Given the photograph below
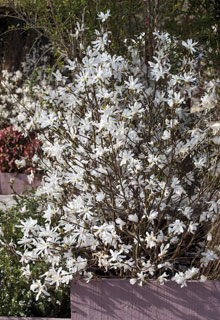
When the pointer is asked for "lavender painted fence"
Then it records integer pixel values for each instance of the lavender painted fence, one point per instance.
(20, 183)
(22, 318)
(109, 299)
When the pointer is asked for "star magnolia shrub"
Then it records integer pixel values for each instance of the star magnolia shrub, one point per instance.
(132, 182)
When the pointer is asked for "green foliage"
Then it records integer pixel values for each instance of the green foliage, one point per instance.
(198, 20)
(57, 19)
(16, 298)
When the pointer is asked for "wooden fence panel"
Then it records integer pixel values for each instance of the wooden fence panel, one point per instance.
(112, 299)
(29, 318)
(20, 183)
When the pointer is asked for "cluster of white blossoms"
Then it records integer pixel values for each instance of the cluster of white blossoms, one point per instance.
(131, 175)
(16, 98)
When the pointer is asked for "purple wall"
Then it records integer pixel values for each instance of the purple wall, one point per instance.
(109, 299)
(20, 184)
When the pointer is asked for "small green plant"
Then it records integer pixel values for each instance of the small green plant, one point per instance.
(16, 298)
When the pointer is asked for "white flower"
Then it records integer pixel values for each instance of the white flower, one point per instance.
(81, 263)
(180, 279)
(133, 218)
(20, 163)
(166, 135)
(187, 212)
(116, 256)
(30, 177)
(127, 156)
(42, 247)
(215, 126)
(189, 274)
(132, 281)
(26, 271)
(189, 44)
(72, 65)
(141, 277)
(106, 233)
(100, 196)
(175, 182)
(209, 101)
(192, 227)
(151, 240)
(175, 99)
(201, 162)
(27, 226)
(163, 250)
(148, 267)
(49, 212)
(38, 288)
(104, 16)
(120, 222)
(55, 276)
(203, 278)
(216, 140)
(158, 70)
(177, 227)
(163, 278)
(153, 215)
(133, 84)
(209, 237)
(207, 257)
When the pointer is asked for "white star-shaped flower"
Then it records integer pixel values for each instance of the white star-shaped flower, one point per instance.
(104, 16)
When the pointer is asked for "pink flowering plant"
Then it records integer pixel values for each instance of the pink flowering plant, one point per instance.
(16, 151)
(131, 155)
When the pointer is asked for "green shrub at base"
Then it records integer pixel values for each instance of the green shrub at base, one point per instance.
(16, 298)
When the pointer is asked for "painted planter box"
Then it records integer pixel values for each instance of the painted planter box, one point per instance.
(21, 183)
(109, 299)
(28, 318)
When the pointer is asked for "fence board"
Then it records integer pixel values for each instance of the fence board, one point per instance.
(20, 183)
(112, 299)
(34, 318)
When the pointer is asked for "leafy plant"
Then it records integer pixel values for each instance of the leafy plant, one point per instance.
(16, 298)
(16, 151)
(56, 20)
(199, 20)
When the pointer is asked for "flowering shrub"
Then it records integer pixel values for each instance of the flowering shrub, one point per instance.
(16, 151)
(132, 174)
